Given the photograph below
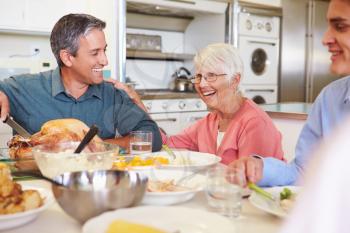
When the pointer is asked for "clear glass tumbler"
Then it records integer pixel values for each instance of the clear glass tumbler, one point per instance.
(224, 191)
(140, 142)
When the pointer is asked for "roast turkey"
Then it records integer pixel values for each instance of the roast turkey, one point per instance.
(51, 133)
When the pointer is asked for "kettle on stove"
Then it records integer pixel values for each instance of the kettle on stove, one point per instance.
(181, 81)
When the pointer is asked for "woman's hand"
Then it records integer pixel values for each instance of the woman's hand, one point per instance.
(130, 91)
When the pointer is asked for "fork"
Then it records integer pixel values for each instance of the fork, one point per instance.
(169, 151)
(189, 176)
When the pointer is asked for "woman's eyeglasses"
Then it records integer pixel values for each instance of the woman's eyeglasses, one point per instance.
(210, 77)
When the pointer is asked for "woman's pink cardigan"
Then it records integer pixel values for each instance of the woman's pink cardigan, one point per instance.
(251, 131)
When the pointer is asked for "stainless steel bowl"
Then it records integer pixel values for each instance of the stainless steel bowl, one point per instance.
(85, 194)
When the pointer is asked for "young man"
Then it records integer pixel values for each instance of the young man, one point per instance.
(329, 110)
(75, 89)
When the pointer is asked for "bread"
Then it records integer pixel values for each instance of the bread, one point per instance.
(12, 198)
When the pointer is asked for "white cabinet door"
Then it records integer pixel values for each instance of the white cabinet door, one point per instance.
(41, 15)
(12, 13)
(36, 15)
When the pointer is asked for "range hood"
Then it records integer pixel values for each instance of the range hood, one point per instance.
(176, 8)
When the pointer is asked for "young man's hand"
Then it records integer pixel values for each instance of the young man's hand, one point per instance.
(251, 166)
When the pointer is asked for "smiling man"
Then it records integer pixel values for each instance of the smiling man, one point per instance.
(75, 89)
(330, 109)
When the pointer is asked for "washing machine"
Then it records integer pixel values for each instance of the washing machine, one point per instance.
(258, 44)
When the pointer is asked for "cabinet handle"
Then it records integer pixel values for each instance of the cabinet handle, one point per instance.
(262, 42)
(183, 1)
(260, 90)
(166, 119)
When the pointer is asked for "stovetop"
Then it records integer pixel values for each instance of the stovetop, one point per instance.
(147, 94)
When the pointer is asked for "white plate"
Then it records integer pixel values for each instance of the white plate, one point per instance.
(194, 183)
(269, 206)
(14, 220)
(166, 218)
(191, 160)
(185, 160)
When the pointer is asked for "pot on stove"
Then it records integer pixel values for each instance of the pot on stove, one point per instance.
(181, 80)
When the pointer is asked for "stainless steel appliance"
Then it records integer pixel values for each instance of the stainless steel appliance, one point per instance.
(173, 115)
(304, 60)
(181, 81)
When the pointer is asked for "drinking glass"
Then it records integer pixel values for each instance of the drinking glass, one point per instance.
(224, 191)
(140, 142)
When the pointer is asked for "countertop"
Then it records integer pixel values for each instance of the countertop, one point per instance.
(290, 110)
(152, 94)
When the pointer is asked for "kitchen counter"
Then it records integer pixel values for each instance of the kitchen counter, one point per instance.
(292, 110)
(289, 118)
(165, 94)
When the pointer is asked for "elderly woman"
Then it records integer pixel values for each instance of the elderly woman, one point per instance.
(236, 126)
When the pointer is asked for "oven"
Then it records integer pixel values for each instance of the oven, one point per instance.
(260, 94)
(174, 115)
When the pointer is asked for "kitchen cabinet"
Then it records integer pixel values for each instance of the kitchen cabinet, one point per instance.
(271, 3)
(35, 16)
(12, 16)
(149, 55)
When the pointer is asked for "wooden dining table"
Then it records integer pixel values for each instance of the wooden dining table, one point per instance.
(55, 220)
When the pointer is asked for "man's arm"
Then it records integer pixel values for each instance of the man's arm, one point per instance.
(4, 105)
(273, 172)
(130, 117)
(122, 141)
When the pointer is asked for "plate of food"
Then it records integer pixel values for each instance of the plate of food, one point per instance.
(168, 187)
(160, 219)
(285, 197)
(20, 204)
(184, 160)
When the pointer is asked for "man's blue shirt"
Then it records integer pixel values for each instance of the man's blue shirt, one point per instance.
(328, 112)
(37, 98)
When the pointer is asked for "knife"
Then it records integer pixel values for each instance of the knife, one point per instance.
(15, 126)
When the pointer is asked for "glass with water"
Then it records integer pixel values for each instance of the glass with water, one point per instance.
(224, 191)
(140, 142)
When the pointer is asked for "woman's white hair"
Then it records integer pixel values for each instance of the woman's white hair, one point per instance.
(219, 55)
